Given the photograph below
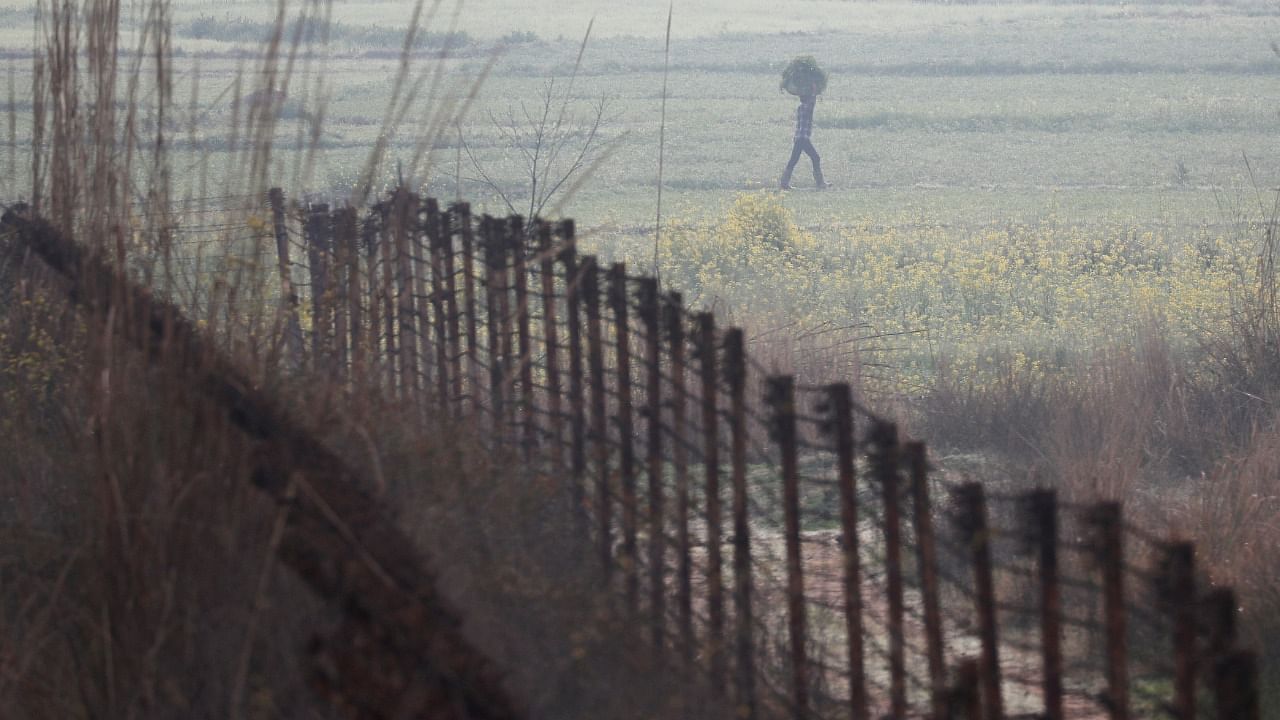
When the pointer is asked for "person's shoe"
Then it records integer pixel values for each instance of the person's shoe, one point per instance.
(784, 186)
(822, 185)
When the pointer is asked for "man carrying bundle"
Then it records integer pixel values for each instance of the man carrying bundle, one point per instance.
(805, 79)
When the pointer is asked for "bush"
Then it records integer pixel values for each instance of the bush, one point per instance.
(803, 74)
(756, 262)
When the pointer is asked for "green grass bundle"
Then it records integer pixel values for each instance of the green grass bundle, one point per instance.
(803, 76)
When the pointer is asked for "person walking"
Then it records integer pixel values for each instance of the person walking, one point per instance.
(804, 143)
(804, 79)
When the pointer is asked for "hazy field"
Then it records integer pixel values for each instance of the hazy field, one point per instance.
(946, 131)
(964, 114)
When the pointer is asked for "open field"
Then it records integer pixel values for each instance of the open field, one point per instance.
(967, 114)
(946, 130)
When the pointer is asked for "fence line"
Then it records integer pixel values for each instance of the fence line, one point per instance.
(857, 583)
(791, 548)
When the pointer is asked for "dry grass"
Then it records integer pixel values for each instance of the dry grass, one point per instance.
(138, 576)
(1192, 453)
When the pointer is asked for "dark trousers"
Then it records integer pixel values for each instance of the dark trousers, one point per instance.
(804, 146)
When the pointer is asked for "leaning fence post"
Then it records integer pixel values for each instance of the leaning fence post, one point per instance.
(647, 289)
(293, 327)
(599, 422)
(1176, 586)
(1043, 530)
(973, 520)
(926, 556)
(674, 311)
(781, 397)
(840, 398)
(735, 361)
(1108, 541)
(1235, 680)
(626, 431)
(705, 346)
(884, 438)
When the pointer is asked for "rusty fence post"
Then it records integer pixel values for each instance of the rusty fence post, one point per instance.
(965, 697)
(1108, 527)
(977, 534)
(507, 376)
(647, 291)
(674, 322)
(314, 235)
(346, 309)
(735, 362)
(371, 237)
(288, 294)
(421, 217)
(599, 436)
(709, 378)
(406, 305)
(551, 349)
(1218, 611)
(1176, 585)
(927, 559)
(1235, 681)
(495, 267)
(436, 234)
(1043, 531)
(466, 234)
(524, 337)
(841, 428)
(626, 433)
(447, 222)
(780, 395)
(390, 339)
(573, 283)
(355, 299)
(885, 467)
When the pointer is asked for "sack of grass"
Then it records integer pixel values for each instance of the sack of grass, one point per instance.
(803, 76)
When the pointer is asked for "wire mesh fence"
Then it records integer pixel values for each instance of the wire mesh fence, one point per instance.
(779, 539)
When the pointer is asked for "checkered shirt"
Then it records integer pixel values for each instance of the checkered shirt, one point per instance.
(804, 117)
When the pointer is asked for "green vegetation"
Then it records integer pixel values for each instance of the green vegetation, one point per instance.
(803, 76)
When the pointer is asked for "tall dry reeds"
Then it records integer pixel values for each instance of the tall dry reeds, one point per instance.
(138, 573)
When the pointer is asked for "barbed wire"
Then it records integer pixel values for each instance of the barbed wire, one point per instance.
(439, 307)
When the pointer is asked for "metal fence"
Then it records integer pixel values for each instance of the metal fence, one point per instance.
(776, 536)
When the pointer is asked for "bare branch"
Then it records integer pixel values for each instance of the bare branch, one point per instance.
(488, 181)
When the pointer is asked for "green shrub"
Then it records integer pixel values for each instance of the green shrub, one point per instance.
(802, 74)
(755, 261)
